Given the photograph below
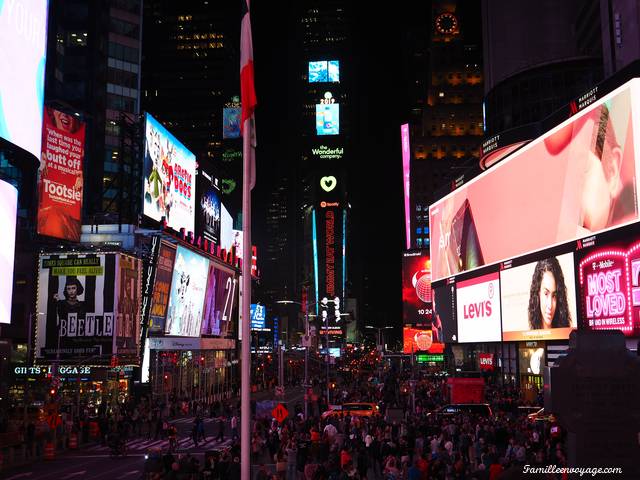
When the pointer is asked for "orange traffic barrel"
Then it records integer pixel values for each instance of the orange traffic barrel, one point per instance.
(49, 451)
(73, 441)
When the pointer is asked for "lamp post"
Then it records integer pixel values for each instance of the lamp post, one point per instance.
(380, 336)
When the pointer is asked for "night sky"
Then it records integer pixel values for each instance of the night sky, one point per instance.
(376, 176)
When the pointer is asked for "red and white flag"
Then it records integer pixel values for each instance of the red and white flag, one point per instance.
(247, 91)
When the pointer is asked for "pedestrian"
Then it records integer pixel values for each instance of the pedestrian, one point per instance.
(220, 437)
(234, 427)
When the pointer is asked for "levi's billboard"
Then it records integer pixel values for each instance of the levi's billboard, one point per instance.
(578, 178)
(478, 304)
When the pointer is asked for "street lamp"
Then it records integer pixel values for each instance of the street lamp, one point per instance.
(380, 336)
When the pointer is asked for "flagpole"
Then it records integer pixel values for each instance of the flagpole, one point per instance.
(245, 359)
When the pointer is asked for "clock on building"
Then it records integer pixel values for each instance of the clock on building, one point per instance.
(446, 23)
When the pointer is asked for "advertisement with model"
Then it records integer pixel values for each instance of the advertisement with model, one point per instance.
(169, 173)
(77, 293)
(23, 36)
(188, 284)
(60, 178)
(219, 301)
(129, 303)
(8, 211)
(539, 299)
(417, 307)
(444, 323)
(578, 178)
(478, 304)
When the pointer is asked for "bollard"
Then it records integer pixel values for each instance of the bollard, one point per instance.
(49, 451)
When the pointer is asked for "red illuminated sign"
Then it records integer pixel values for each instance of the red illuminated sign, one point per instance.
(420, 340)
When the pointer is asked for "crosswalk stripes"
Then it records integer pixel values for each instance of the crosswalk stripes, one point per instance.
(141, 444)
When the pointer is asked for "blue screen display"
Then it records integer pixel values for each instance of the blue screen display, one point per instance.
(328, 119)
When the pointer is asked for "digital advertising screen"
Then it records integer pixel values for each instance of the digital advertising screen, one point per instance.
(419, 340)
(532, 360)
(60, 178)
(444, 324)
(406, 180)
(478, 305)
(208, 211)
(23, 36)
(328, 119)
(226, 228)
(220, 301)
(8, 211)
(539, 300)
(161, 287)
(258, 316)
(77, 292)
(231, 122)
(129, 304)
(169, 173)
(609, 286)
(417, 306)
(186, 300)
(588, 164)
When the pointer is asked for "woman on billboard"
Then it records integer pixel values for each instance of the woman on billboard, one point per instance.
(548, 305)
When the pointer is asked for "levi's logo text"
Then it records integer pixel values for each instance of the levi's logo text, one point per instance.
(481, 308)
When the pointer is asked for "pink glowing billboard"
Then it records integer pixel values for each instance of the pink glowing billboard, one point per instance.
(406, 177)
(579, 178)
(609, 284)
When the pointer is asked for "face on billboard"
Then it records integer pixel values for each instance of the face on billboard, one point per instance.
(609, 283)
(538, 300)
(8, 209)
(60, 178)
(77, 294)
(169, 174)
(444, 324)
(478, 305)
(328, 119)
(161, 288)
(587, 183)
(23, 36)
(416, 288)
(184, 314)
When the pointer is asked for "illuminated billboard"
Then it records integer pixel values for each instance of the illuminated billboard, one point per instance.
(60, 178)
(324, 71)
(419, 340)
(231, 122)
(77, 293)
(226, 228)
(169, 173)
(220, 300)
(329, 243)
(416, 288)
(23, 36)
(8, 210)
(577, 179)
(328, 119)
(208, 210)
(609, 285)
(128, 311)
(478, 307)
(406, 180)
(161, 287)
(186, 300)
(258, 316)
(539, 300)
(444, 324)
(531, 359)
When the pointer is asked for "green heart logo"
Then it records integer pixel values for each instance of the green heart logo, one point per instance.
(328, 183)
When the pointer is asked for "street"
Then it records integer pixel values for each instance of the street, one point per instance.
(96, 461)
